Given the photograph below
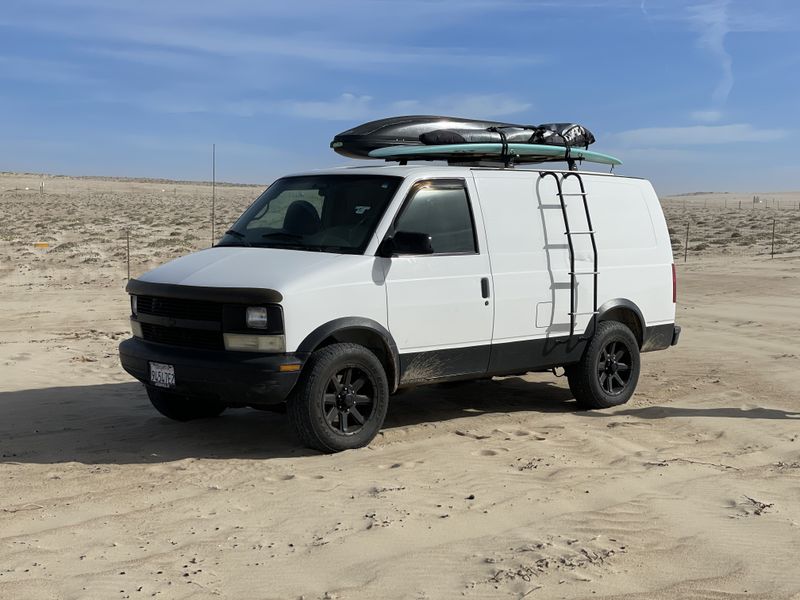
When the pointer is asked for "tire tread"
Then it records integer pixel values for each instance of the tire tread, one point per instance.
(300, 402)
(581, 375)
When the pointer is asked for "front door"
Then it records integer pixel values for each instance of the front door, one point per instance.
(440, 308)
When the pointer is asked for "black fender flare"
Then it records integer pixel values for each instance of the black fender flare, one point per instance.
(343, 324)
(628, 305)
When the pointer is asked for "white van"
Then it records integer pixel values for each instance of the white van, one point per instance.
(338, 288)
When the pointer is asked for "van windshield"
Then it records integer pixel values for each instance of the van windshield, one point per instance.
(324, 213)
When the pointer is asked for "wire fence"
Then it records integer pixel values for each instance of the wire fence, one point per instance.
(754, 226)
(75, 231)
(782, 201)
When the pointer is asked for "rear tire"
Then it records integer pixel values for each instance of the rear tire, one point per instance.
(183, 408)
(341, 399)
(608, 372)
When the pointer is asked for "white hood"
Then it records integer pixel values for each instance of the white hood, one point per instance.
(241, 267)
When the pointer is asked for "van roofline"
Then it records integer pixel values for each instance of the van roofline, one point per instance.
(405, 170)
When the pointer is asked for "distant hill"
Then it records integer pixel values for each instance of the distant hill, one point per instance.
(127, 179)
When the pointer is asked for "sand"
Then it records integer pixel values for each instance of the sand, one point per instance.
(499, 489)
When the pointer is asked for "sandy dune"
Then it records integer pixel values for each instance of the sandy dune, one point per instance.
(492, 490)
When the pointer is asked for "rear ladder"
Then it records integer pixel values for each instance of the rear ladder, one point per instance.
(573, 274)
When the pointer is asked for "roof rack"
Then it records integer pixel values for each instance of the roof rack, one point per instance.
(496, 153)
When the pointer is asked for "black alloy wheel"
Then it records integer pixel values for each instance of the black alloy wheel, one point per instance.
(608, 371)
(613, 368)
(349, 400)
(341, 399)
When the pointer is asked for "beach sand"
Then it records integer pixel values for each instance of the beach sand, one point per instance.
(496, 489)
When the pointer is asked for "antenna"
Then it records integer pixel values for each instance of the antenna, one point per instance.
(213, 191)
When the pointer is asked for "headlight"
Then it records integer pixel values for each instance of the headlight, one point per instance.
(256, 317)
(133, 305)
(254, 343)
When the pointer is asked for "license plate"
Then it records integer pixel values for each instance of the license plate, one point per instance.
(162, 375)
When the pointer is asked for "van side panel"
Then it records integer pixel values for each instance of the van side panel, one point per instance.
(664, 311)
(530, 256)
(526, 257)
(634, 247)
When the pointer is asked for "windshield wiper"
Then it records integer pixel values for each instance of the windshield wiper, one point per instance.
(309, 247)
(237, 234)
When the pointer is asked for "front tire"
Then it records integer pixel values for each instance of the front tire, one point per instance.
(183, 408)
(608, 372)
(341, 399)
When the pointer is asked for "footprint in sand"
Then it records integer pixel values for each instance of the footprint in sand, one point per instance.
(747, 324)
(490, 452)
(399, 465)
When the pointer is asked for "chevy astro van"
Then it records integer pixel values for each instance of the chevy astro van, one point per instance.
(337, 288)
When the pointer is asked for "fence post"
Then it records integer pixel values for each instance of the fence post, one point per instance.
(772, 253)
(213, 192)
(686, 244)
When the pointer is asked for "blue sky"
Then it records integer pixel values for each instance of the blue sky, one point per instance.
(693, 95)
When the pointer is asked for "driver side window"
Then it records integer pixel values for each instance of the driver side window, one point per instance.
(444, 213)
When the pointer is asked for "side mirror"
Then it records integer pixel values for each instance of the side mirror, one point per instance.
(406, 242)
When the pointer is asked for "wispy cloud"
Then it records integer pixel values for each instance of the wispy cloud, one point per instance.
(699, 135)
(707, 116)
(354, 107)
(151, 57)
(138, 38)
(480, 105)
(344, 108)
(711, 20)
(42, 71)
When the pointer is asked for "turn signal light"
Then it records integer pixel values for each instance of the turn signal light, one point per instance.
(254, 343)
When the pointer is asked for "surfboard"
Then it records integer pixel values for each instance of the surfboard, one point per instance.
(525, 152)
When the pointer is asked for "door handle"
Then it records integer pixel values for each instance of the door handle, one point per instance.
(485, 287)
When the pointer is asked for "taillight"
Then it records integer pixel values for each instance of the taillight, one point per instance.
(674, 285)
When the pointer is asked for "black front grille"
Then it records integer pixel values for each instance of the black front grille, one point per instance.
(179, 308)
(179, 336)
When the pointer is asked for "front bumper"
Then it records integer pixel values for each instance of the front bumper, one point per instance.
(245, 378)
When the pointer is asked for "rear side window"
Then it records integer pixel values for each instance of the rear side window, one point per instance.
(443, 212)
